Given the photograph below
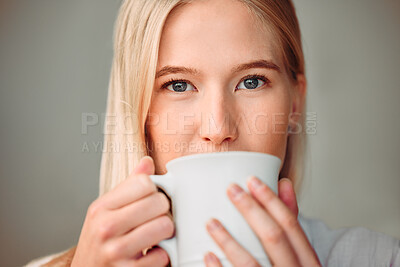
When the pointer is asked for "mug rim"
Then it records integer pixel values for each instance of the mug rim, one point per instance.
(170, 163)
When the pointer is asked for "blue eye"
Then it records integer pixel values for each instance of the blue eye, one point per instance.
(249, 82)
(252, 82)
(178, 86)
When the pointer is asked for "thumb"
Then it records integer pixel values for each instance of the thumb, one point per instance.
(287, 195)
(145, 165)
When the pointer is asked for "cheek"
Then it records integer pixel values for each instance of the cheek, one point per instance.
(161, 132)
(269, 115)
(265, 123)
(164, 137)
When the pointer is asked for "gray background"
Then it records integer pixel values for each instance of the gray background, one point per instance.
(55, 59)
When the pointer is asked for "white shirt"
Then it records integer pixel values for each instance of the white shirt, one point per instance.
(355, 246)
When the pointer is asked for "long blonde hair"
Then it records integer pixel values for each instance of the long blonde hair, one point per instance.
(136, 43)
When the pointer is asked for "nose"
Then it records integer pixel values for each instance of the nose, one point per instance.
(218, 120)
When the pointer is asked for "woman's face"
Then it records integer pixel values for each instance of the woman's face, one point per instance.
(231, 90)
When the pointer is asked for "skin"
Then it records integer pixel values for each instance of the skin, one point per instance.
(213, 110)
(133, 216)
(125, 221)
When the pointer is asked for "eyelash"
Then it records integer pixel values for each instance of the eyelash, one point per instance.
(252, 76)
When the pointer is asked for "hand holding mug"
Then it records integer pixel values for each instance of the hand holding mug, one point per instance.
(273, 219)
(125, 221)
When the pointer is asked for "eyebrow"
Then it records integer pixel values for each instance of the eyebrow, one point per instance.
(263, 64)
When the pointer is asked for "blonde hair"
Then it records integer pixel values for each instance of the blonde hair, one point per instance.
(136, 42)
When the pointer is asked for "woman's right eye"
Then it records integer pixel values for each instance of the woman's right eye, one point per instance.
(178, 86)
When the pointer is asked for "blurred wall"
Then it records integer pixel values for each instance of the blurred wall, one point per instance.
(352, 50)
(55, 59)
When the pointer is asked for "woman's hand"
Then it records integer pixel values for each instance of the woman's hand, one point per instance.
(274, 221)
(125, 221)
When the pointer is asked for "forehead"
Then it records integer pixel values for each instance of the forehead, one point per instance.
(217, 32)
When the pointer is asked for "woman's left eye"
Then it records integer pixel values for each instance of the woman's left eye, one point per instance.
(252, 83)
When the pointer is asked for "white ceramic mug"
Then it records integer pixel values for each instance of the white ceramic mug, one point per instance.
(196, 185)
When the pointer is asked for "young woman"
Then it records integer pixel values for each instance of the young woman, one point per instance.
(202, 76)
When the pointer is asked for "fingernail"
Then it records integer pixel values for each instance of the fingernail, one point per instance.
(255, 183)
(213, 225)
(210, 258)
(148, 157)
(286, 180)
(141, 161)
(235, 191)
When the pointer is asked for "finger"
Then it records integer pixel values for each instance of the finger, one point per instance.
(155, 257)
(287, 195)
(144, 236)
(135, 214)
(271, 235)
(287, 219)
(235, 253)
(211, 260)
(146, 165)
(136, 186)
